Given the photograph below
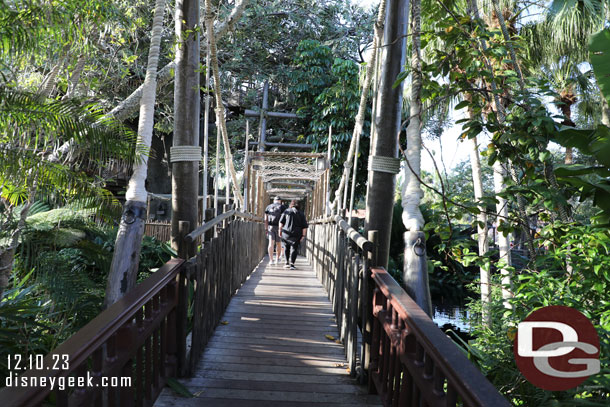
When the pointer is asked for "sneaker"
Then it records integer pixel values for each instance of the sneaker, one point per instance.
(292, 267)
(272, 262)
(287, 266)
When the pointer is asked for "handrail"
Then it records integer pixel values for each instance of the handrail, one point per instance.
(215, 221)
(413, 335)
(351, 233)
(208, 225)
(319, 221)
(94, 335)
(248, 216)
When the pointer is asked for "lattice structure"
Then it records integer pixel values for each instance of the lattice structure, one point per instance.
(290, 175)
(303, 166)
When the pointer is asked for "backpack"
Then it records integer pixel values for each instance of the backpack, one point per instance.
(274, 211)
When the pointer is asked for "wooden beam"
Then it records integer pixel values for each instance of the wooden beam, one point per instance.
(286, 145)
(277, 115)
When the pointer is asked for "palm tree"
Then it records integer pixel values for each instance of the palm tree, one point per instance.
(30, 129)
(126, 257)
(557, 46)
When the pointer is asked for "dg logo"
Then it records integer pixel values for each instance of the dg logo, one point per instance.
(557, 348)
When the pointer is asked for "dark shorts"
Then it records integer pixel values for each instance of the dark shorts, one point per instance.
(273, 233)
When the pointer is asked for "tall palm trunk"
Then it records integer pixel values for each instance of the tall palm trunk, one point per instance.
(126, 258)
(503, 242)
(500, 173)
(131, 103)
(475, 164)
(415, 273)
(75, 77)
(605, 112)
(567, 99)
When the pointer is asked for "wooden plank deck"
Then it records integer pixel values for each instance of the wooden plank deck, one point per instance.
(273, 350)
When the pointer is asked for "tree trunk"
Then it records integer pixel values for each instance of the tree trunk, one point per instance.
(7, 254)
(605, 112)
(126, 258)
(566, 110)
(130, 104)
(49, 82)
(384, 145)
(415, 272)
(7, 257)
(186, 122)
(503, 242)
(75, 77)
(477, 181)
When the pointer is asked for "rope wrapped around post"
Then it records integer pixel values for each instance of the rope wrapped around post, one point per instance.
(380, 163)
(185, 153)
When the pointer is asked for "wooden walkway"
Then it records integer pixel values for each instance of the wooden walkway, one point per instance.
(271, 349)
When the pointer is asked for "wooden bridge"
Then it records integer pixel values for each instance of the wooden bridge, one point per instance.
(236, 331)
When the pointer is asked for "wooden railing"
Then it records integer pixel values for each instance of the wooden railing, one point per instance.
(403, 355)
(220, 267)
(144, 336)
(339, 254)
(159, 230)
(134, 338)
(413, 362)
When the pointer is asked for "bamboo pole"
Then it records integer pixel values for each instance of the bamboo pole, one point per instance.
(206, 130)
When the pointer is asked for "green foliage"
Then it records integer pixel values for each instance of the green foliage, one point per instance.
(24, 323)
(585, 290)
(599, 44)
(327, 93)
(467, 57)
(59, 279)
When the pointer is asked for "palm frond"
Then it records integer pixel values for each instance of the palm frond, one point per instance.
(36, 124)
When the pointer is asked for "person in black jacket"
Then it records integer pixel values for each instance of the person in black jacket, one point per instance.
(272, 220)
(293, 229)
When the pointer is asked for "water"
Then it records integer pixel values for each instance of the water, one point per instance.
(455, 315)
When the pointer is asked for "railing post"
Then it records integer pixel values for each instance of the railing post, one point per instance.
(182, 309)
(208, 215)
(368, 289)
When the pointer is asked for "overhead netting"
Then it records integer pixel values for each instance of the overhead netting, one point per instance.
(289, 175)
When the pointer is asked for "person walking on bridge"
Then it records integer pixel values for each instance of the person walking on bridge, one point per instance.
(272, 218)
(293, 229)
